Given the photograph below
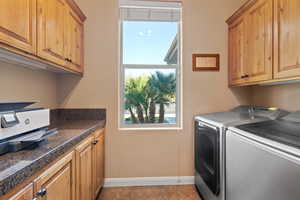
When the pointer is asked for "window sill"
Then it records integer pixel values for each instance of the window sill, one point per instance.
(151, 129)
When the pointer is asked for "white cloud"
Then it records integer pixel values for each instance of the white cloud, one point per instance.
(147, 33)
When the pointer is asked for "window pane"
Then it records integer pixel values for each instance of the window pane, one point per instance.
(150, 96)
(150, 42)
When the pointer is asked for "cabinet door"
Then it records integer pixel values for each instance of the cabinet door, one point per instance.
(84, 181)
(258, 47)
(236, 52)
(18, 24)
(57, 183)
(287, 38)
(51, 28)
(25, 194)
(98, 161)
(74, 41)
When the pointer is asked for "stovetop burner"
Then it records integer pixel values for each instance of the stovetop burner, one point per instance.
(26, 141)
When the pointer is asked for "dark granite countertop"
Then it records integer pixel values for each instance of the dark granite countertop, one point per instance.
(17, 167)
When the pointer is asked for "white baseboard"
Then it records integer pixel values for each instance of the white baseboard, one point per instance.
(149, 181)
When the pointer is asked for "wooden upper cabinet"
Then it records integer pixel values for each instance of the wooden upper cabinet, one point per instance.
(51, 30)
(18, 24)
(74, 41)
(287, 38)
(24, 194)
(259, 41)
(58, 182)
(236, 52)
(60, 38)
(251, 43)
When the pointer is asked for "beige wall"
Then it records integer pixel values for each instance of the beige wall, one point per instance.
(152, 153)
(146, 153)
(282, 96)
(23, 84)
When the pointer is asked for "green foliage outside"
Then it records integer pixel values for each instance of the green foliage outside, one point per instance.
(142, 94)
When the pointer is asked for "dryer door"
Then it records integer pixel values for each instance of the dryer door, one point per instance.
(207, 155)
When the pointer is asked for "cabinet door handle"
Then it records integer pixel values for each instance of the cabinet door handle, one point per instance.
(95, 142)
(68, 60)
(245, 76)
(41, 192)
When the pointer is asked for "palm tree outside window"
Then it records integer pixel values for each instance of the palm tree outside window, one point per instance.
(150, 78)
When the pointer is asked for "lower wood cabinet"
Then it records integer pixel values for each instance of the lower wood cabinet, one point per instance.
(58, 182)
(79, 175)
(24, 194)
(90, 166)
(98, 162)
(84, 181)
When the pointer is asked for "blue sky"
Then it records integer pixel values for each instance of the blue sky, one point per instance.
(147, 42)
(134, 73)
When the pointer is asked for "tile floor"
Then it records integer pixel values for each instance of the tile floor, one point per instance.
(186, 192)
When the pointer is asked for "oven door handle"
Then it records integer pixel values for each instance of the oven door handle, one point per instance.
(202, 125)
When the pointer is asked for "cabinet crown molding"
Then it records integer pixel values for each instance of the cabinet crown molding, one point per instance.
(76, 8)
(240, 11)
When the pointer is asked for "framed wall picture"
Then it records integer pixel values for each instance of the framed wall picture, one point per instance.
(206, 62)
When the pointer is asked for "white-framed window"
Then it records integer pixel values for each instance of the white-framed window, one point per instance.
(150, 66)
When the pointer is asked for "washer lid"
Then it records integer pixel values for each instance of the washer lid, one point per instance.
(293, 117)
(282, 131)
(224, 118)
(241, 115)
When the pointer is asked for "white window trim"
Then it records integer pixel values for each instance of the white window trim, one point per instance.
(147, 4)
(179, 86)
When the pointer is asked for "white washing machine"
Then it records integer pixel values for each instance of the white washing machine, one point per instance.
(210, 143)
